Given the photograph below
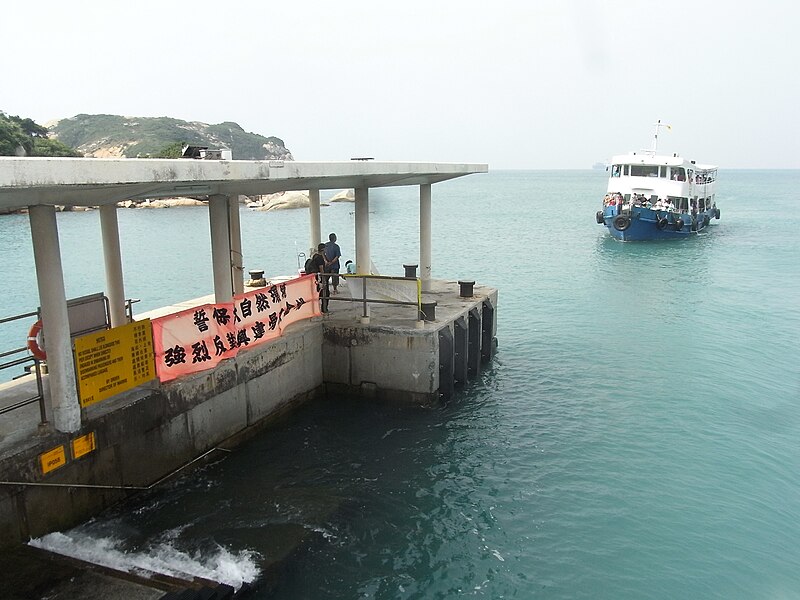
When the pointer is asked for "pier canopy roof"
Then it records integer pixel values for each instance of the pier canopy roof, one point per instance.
(98, 181)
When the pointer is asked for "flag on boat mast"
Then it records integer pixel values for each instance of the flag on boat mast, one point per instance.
(655, 137)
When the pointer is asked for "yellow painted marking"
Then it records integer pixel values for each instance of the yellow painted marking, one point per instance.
(53, 459)
(83, 445)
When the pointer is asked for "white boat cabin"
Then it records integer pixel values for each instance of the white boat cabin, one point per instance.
(647, 178)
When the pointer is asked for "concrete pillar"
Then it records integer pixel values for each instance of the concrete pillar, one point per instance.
(219, 215)
(237, 264)
(50, 279)
(425, 239)
(316, 229)
(363, 259)
(112, 256)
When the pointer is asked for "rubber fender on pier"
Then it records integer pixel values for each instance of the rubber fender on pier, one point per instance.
(460, 351)
(488, 340)
(599, 217)
(474, 348)
(446, 363)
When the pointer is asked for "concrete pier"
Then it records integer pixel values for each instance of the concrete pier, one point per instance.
(88, 457)
(148, 433)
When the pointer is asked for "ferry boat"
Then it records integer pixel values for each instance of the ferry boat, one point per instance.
(654, 197)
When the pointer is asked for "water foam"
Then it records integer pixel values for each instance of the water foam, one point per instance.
(222, 566)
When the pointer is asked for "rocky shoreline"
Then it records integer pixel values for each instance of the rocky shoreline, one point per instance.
(278, 201)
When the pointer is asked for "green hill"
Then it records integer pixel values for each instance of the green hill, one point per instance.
(116, 136)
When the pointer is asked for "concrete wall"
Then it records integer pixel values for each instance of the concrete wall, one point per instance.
(387, 364)
(146, 434)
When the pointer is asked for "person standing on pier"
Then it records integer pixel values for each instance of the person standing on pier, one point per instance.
(320, 267)
(332, 254)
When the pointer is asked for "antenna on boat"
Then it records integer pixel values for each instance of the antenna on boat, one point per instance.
(655, 137)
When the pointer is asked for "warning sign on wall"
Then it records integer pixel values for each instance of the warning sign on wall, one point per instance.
(53, 459)
(114, 360)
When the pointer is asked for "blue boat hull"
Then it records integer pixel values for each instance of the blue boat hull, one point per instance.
(643, 224)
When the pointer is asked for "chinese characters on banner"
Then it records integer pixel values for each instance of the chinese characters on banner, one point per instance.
(200, 337)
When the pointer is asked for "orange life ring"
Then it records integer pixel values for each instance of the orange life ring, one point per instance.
(35, 341)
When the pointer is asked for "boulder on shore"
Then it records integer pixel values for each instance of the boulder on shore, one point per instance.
(280, 201)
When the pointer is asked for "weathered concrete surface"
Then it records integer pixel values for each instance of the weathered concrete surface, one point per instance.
(145, 434)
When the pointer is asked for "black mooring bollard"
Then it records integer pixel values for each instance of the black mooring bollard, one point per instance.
(411, 270)
(428, 310)
(256, 274)
(466, 288)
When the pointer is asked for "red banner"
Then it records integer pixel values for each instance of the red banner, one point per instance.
(201, 337)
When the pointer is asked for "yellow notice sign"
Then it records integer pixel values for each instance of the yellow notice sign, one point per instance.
(83, 445)
(53, 459)
(114, 360)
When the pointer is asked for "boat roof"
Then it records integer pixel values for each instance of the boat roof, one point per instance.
(646, 157)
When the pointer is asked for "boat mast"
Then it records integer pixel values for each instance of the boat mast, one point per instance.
(655, 137)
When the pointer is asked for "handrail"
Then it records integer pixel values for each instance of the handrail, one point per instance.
(367, 301)
(12, 358)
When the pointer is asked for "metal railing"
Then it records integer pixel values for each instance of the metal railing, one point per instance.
(22, 357)
(17, 357)
(365, 301)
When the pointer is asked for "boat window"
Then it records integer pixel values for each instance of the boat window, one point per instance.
(644, 171)
(681, 203)
(616, 170)
(702, 203)
(678, 174)
(626, 169)
(662, 171)
(654, 198)
(627, 198)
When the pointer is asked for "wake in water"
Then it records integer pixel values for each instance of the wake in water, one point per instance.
(221, 566)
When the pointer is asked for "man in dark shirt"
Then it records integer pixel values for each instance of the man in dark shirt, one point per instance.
(332, 254)
(320, 264)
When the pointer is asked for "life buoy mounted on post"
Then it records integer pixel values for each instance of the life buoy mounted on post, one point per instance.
(36, 341)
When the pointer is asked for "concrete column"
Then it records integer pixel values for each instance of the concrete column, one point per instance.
(219, 215)
(115, 288)
(237, 264)
(425, 242)
(55, 322)
(363, 259)
(316, 229)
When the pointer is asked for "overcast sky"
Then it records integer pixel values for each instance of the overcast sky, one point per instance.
(522, 84)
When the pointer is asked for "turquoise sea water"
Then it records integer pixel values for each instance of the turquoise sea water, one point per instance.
(635, 437)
